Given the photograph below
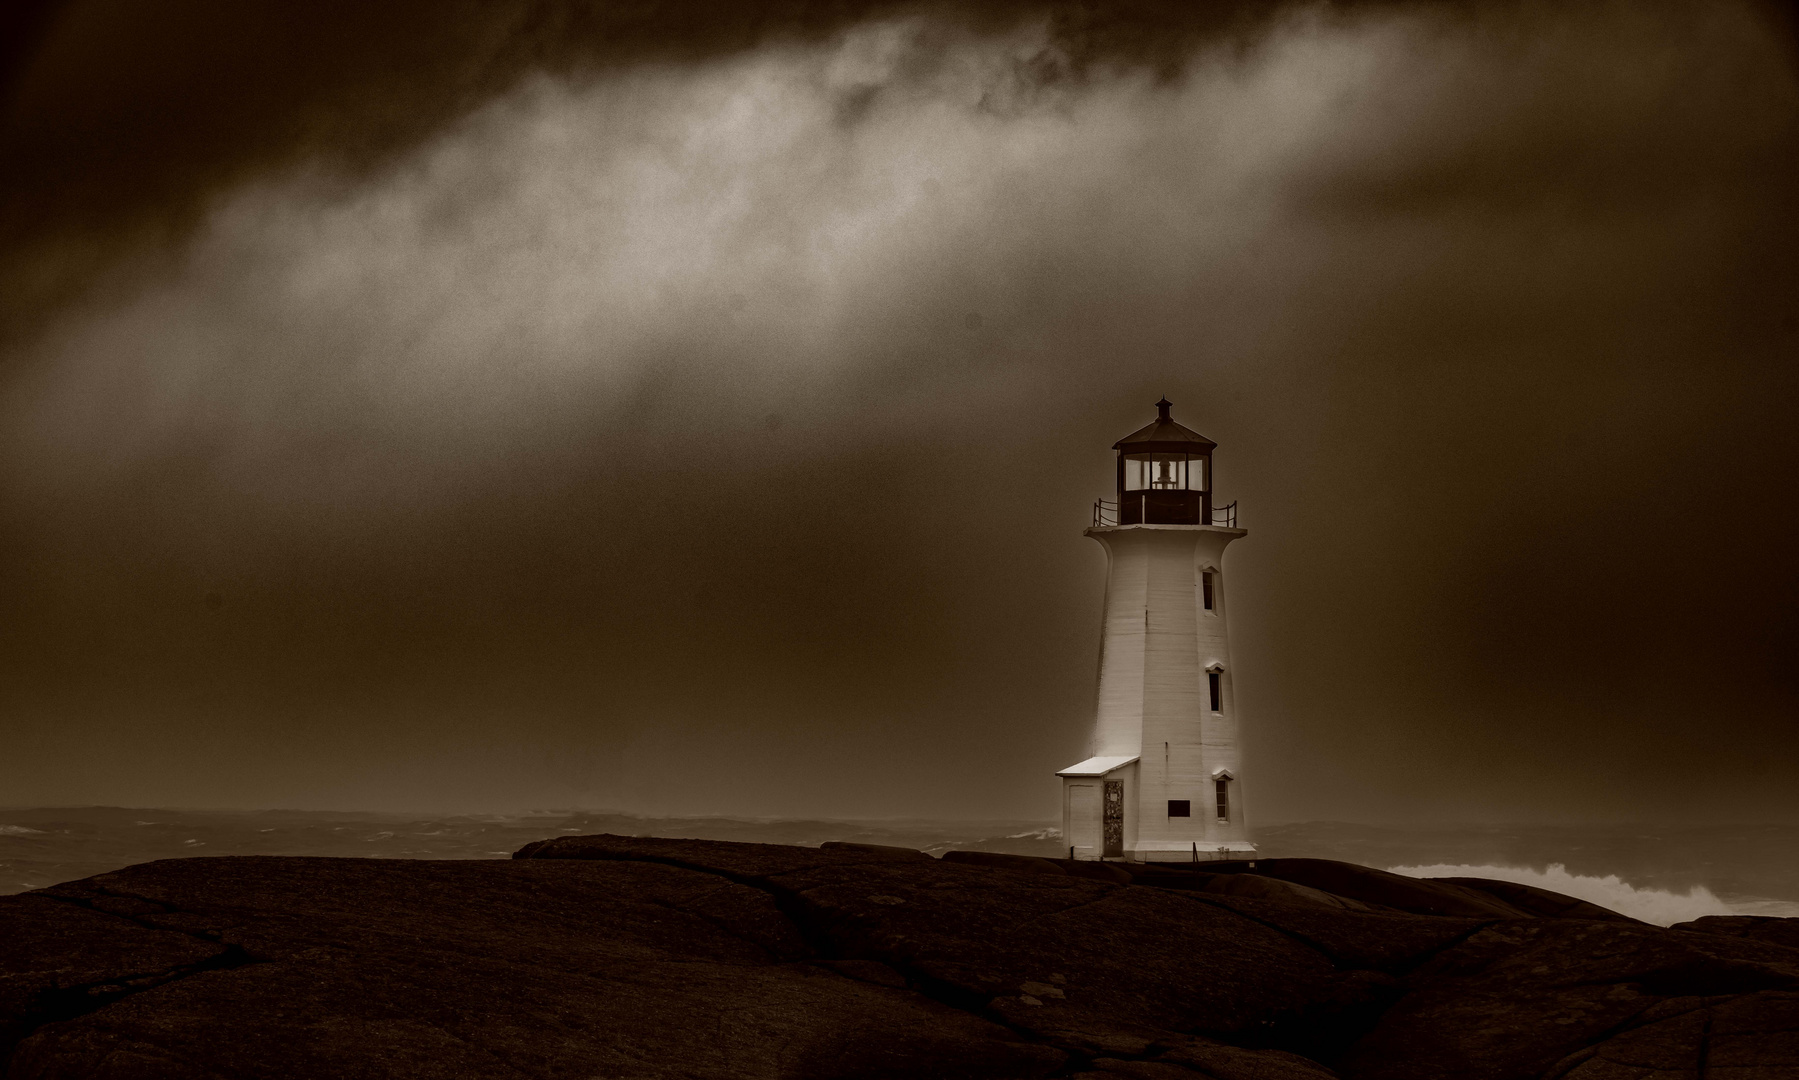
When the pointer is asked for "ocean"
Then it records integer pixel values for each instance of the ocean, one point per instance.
(1661, 874)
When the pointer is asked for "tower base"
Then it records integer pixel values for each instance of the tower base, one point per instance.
(1217, 852)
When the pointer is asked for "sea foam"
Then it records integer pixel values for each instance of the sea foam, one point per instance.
(1662, 907)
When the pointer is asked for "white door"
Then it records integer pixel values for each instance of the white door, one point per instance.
(1083, 819)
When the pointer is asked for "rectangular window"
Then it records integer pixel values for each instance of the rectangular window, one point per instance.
(1205, 589)
(1223, 787)
(1215, 681)
(1180, 808)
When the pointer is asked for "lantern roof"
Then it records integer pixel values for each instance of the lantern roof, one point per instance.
(1165, 436)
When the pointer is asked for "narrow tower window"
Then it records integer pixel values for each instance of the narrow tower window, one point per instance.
(1205, 589)
(1215, 683)
(1223, 788)
(1180, 808)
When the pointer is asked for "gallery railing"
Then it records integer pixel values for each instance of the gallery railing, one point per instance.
(1105, 514)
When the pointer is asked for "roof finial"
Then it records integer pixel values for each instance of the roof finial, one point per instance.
(1162, 408)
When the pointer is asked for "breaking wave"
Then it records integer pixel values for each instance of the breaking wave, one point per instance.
(1663, 907)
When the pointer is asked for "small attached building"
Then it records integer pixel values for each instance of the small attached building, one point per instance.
(1093, 800)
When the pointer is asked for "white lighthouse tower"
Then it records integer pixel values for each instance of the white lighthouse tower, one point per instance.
(1165, 779)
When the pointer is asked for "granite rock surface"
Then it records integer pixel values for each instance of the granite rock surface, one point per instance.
(607, 956)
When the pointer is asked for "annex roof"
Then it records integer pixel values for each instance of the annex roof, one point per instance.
(1097, 766)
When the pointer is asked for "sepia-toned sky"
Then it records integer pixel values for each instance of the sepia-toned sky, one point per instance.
(456, 406)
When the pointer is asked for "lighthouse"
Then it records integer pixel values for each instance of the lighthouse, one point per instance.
(1164, 782)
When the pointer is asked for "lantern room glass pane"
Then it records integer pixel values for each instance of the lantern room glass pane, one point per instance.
(1164, 472)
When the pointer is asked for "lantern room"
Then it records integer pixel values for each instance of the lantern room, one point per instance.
(1164, 474)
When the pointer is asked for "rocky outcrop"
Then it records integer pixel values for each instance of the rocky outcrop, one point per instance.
(1518, 997)
(1534, 901)
(638, 957)
(1754, 927)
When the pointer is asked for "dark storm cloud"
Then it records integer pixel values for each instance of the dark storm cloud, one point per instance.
(126, 118)
(707, 423)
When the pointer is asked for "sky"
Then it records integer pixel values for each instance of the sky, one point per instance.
(479, 407)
